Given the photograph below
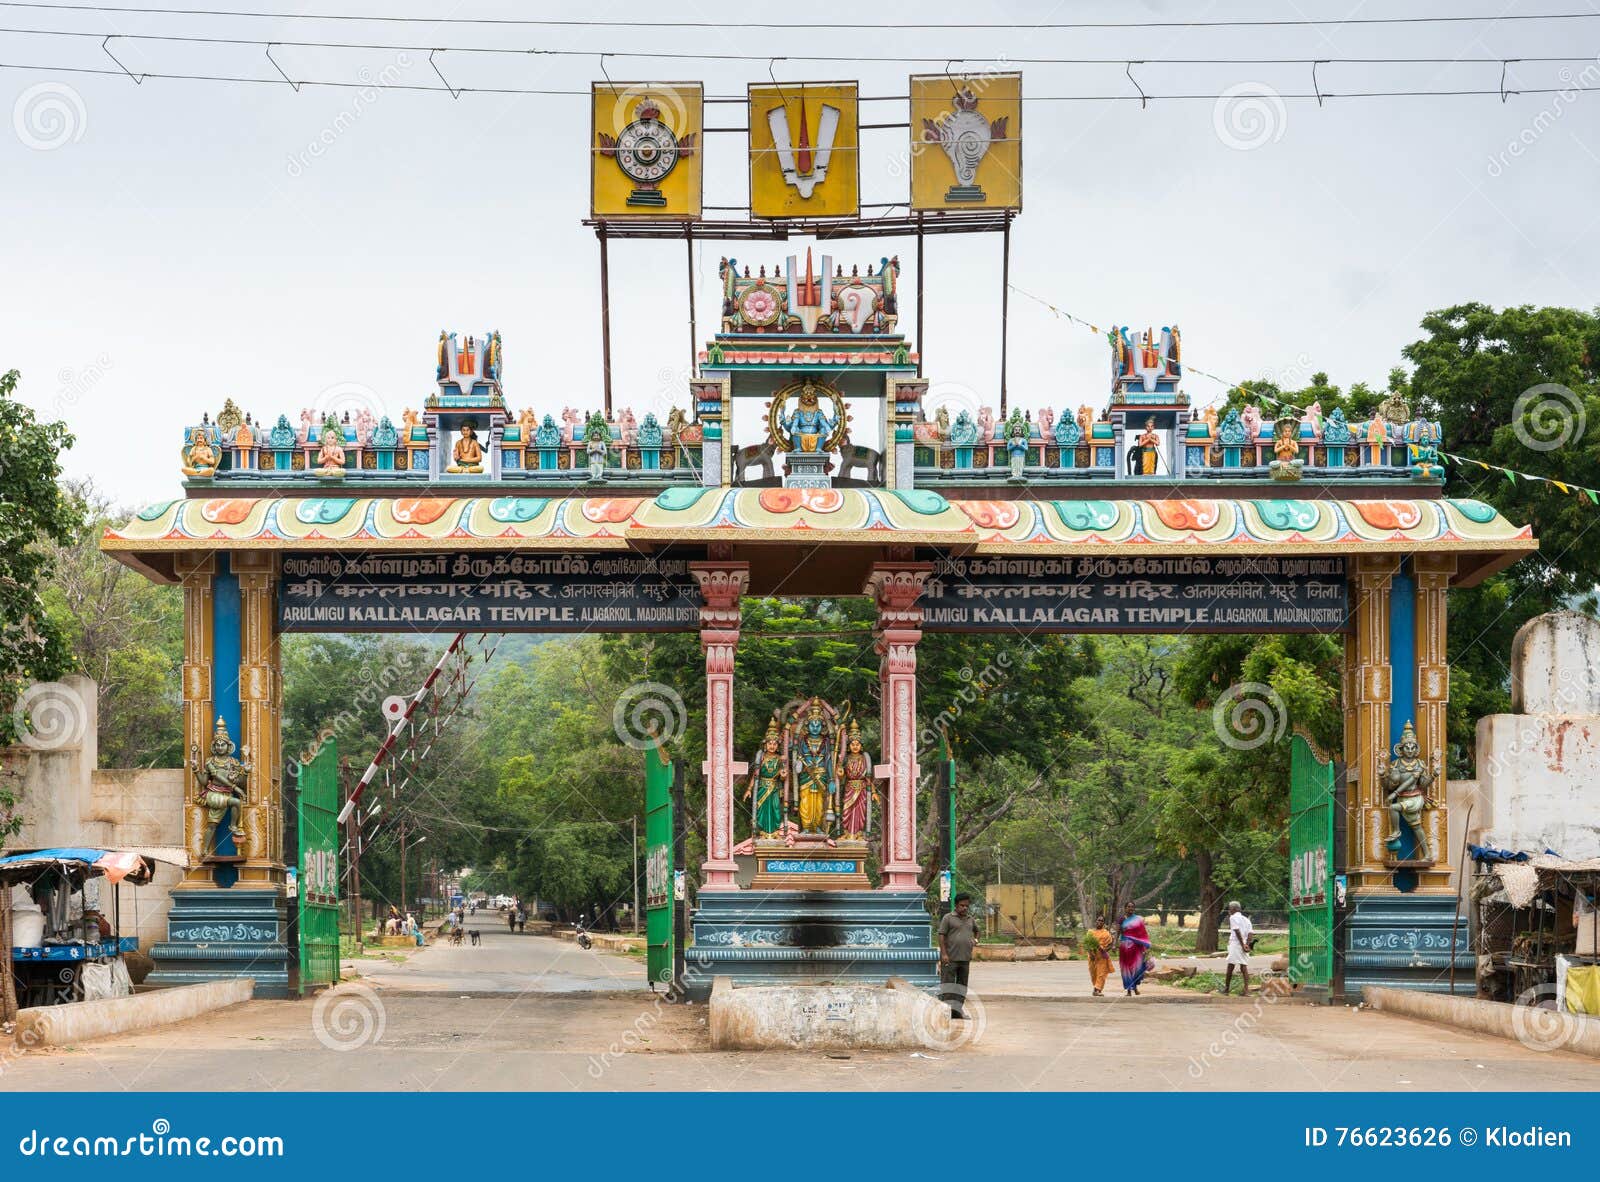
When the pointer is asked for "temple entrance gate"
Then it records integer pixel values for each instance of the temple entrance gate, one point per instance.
(660, 875)
(319, 869)
(1141, 516)
(1312, 801)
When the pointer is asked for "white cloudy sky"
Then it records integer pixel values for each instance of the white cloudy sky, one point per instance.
(181, 245)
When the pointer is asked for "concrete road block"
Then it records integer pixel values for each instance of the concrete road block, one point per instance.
(54, 1026)
(1537, 1029)
(892, 1016)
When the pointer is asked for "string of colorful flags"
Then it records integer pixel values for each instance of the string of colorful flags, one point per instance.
(1513, 475)
(1567, 487)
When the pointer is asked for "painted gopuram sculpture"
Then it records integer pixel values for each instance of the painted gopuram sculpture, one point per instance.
(813, 741)
(856, 786)
(1405, 781)
(467, 455)
(768, 788)
(330, 455)
(224, 786)
(200, 458)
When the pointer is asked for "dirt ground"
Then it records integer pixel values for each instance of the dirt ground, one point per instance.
(363, 1039)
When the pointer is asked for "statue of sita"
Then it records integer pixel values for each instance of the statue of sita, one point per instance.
(768, 781)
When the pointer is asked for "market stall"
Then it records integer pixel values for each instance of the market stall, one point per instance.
(66, 943)
(1536, 932)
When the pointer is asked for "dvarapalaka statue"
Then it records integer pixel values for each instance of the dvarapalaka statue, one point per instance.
(1405, 783)
(224, 784)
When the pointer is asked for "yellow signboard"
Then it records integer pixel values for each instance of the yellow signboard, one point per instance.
(966, 141)
(646, 143)
(804, 150)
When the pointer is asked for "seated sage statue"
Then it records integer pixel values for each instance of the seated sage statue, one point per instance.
(468, 452)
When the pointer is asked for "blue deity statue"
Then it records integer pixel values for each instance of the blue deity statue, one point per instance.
(808, 425)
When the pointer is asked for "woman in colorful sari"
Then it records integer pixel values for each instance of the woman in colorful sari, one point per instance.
(1133, 951)
(1097, 943)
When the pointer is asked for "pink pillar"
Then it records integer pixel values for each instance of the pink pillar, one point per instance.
(896, 587)
(721, 586)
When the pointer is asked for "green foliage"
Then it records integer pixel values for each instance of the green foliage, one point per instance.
(125, 632)
(1478, 371)
(35, 514)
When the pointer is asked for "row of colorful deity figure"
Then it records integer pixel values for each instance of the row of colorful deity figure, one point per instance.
(813, 775)
(234, 442)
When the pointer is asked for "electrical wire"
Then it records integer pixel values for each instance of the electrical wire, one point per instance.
(1317, 96)
(262, 42)
(1007, 26)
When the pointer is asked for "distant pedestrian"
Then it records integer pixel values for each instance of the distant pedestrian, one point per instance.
(511, 921)
(1133, 957)
(1097, 944)
(958, 934)
(1241, 935)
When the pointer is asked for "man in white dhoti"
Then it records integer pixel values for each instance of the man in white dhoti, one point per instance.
(1240, 931)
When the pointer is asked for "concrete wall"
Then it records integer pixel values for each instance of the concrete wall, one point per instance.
(64, 800)
(1539, 770)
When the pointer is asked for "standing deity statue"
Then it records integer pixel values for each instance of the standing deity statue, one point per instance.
(1149, 448)
(224, 781)
(768, 781)
(855, 785)
(811, 746)
(1405, 782)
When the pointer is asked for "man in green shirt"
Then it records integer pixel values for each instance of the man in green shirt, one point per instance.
(958, 933)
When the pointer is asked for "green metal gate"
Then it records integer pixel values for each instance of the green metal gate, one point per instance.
(659, 771)
(319, 869)
(1311, 817)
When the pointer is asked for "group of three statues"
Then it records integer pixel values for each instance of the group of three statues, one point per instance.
(813, 773)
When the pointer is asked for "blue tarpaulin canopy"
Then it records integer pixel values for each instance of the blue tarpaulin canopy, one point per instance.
(77, 862)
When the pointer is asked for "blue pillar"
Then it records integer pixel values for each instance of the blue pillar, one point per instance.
(226, 652)
(1403, 688)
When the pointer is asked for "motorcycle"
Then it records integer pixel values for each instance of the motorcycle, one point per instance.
(584, 941)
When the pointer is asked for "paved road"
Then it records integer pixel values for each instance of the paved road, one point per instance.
(353, 1039)
(535, 1013)
(504, 962)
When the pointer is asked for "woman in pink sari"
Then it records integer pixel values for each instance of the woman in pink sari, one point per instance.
(1133, 951)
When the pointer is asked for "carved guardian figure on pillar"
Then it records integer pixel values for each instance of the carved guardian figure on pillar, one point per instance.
(224, 784)
(1405, 783)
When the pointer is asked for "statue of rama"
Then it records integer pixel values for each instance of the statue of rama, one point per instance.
(812, 742)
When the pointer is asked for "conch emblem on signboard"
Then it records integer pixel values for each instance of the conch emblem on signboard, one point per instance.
(966, 137)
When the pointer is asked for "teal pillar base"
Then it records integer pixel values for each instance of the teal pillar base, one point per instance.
(217, 935)
(810, 937)
(1407, 942)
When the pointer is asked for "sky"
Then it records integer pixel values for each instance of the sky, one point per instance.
(169, 244)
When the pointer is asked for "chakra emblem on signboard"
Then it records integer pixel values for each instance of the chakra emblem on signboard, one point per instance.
(966, 138)
(646, 151)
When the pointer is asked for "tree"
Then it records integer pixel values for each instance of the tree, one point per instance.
(34, 514)
(1517, 388)
(127, 634)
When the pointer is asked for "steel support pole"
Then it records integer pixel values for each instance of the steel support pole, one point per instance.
(922, 329)
(605, 317)
(688, 238)
(1005, 308)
